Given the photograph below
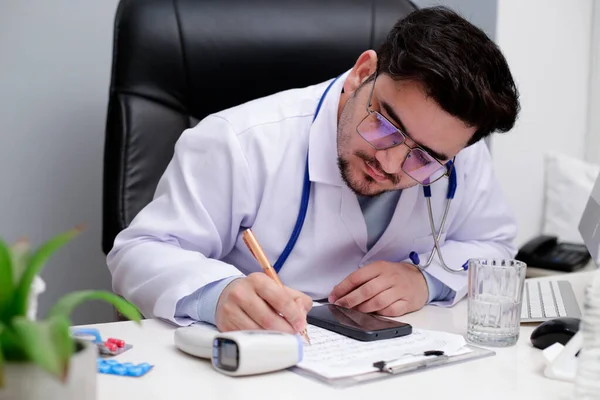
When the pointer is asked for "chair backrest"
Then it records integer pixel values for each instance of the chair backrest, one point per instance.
(176, 61)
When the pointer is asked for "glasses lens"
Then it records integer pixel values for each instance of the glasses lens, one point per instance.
(422, 167)
(378, 131)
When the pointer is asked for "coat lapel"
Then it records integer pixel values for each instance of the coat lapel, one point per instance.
(353, 218)
(323, 167)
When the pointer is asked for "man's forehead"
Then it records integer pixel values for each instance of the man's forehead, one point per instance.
(416, 114)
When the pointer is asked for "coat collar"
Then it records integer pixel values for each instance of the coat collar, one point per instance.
(322, 148)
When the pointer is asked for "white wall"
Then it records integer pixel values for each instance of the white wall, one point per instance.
(547, 45)
(593, 133)
(54, 77)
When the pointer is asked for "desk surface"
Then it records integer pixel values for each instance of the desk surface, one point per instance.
(513, 373)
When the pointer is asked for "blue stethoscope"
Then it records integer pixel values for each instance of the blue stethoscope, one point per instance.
(426, 190)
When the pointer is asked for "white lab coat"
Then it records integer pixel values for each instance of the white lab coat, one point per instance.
(244, 167)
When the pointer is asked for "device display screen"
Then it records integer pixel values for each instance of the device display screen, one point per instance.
(353, 319)
(228, 354)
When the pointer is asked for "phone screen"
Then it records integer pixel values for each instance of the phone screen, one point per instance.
(351, 318)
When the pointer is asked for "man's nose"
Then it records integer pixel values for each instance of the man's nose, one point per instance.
(391, 159)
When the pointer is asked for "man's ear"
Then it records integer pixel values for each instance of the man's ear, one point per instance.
(365, 66)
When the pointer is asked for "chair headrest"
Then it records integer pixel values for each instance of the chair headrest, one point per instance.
(204, 56)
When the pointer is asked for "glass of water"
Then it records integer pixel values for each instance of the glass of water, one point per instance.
(494, 301)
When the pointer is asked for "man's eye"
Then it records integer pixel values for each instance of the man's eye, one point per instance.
(421, 157)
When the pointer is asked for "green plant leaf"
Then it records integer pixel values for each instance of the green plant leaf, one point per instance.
(35, 265)
(47, 343)
(21, 254)
(65, 306)
(7, 287)
(10, 345)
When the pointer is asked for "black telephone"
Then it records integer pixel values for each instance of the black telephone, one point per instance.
(546, 252)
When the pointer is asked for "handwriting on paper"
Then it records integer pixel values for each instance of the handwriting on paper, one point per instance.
(335, 355)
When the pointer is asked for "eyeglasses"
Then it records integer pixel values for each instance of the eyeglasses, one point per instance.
(380, 133)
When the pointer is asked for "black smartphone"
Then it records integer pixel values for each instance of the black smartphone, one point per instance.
(356, 324)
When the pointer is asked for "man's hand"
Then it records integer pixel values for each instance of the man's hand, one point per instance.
(386, 288)
(256, 302)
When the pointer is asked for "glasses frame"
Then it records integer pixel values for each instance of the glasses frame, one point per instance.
(403, 135)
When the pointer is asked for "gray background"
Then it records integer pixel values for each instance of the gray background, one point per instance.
(482, 13)
(54, 76)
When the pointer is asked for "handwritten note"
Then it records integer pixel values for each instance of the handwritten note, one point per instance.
(333, 355)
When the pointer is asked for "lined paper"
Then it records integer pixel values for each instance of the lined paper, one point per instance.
(334, 356)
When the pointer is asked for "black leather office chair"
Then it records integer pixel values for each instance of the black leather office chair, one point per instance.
(176, 61)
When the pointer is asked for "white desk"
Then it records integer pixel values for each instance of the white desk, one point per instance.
(513, 373)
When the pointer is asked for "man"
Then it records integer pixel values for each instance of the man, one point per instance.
(367, 143)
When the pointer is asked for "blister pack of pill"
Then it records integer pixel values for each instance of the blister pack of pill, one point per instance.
(109, 347)
(113, 347)
(114, 367)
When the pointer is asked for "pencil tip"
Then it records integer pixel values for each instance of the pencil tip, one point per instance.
(305, 335)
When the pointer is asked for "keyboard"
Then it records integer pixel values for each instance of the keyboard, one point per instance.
(547, 299)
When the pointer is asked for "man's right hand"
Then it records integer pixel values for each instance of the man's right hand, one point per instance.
(256, 302)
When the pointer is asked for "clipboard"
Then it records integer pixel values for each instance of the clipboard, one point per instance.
(389, 371)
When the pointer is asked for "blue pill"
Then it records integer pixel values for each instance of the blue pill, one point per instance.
(104, 368)
(111, 362)
(127, 365)
(145, 367)
(135, 371)
(119, 370)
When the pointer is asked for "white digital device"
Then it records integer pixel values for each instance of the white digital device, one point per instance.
(241, 353)
(195, 340)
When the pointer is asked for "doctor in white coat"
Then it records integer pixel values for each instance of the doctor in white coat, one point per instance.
(367, 142)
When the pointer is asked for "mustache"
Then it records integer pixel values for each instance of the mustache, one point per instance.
(375, 164)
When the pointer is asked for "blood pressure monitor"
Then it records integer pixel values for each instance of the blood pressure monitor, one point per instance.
(240, 353)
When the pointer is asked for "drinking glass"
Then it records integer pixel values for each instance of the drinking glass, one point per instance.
(494, 301)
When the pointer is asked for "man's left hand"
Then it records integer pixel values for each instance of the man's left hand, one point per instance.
(386, 288)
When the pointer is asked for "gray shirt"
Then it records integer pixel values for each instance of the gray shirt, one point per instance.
(378, 212)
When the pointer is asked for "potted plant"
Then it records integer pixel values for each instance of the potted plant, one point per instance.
(41, 359)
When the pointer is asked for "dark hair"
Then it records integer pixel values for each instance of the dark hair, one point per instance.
(459, 66)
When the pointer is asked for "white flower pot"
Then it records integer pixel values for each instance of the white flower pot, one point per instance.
(26, 381)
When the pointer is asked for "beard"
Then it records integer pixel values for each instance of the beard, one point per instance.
(360, 188)
(364, 186)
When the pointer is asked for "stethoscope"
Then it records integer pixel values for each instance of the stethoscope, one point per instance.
(414, 257)
(426, 190)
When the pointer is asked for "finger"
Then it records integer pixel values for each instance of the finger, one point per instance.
(380, 301)
(282, 302)
(354, 280)
(306, 302)
(302, 305)
(395, 309)
(266, 317)
(226, 326)
(365, 292)
(242, 321)
(303, 300)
